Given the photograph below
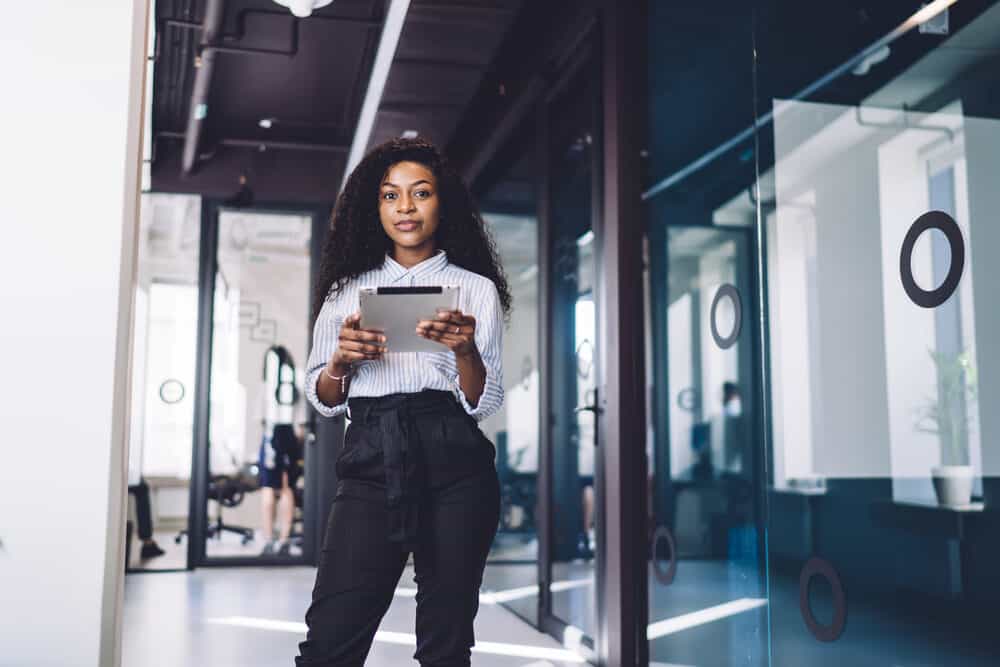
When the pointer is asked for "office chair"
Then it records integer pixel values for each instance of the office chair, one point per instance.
(228, 491)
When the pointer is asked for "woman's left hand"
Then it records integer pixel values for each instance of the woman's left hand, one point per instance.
(453, 328)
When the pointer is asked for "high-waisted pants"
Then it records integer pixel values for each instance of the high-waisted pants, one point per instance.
(417, 475)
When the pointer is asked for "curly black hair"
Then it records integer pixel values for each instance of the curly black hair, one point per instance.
(357, 242)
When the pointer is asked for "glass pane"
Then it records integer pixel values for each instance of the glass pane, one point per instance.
(165, 334)
(258, 417)
(707, 586)
(878, 205)
(510, 209)
(574, 358)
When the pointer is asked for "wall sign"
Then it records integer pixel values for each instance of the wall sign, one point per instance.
(946, 225)
(266, 331)
(249, 314)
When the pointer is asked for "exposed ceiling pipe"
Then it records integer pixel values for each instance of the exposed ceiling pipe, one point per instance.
(215, 11)
(266, 144)
(394, 19)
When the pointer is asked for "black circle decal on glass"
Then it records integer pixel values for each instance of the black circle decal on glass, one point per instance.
(734, 295)
(172, 391)
(946, 225)
(817, 567)
(664, 576)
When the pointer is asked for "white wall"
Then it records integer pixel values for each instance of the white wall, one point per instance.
(69, 173)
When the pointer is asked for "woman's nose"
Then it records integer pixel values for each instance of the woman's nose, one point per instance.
(405, 204)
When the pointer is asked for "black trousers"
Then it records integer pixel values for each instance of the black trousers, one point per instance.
(415, 474)
(143, 511)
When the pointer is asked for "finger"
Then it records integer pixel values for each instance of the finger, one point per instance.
(357, 346)
(363, 335)
(355, 356)
(443, 336)
(363, 356)
(352, 321)
(446, 327)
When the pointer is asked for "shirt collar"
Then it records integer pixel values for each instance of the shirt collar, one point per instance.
(431, 265)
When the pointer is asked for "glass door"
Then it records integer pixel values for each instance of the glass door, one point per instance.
(253, 496)
(879, 202)
(572, 498)
(707, 588)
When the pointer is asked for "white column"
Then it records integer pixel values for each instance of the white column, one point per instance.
(71, 121)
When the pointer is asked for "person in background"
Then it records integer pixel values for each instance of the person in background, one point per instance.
(281, 449)
(144, 512)
(732, 403)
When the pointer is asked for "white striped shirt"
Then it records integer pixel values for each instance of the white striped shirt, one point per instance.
(406, 372)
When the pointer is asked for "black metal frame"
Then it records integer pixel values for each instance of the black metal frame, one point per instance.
(614, 35)
(198, 494)
(585, 54)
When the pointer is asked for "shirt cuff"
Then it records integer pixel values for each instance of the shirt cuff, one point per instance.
(312, 394)
(483, 409)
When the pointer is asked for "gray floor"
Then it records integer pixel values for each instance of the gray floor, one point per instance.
(253, 616)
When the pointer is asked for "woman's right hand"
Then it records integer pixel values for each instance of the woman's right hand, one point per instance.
(356, 344)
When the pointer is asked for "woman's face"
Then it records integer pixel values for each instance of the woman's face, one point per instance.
(409, 205)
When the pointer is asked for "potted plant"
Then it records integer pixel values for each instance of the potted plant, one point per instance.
(947, 416)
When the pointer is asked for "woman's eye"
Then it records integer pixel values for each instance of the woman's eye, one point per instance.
(423, 194)
(389, 195)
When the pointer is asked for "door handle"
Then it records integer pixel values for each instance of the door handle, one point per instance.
(594, 404)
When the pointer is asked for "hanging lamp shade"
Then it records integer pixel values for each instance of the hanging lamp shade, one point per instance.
(303, 8)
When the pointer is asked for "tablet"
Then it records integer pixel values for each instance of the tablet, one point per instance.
(396, 310)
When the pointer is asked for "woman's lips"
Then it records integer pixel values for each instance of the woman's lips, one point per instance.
(407, 225)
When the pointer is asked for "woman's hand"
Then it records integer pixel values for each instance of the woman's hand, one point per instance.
(356, 344)
(454, 329)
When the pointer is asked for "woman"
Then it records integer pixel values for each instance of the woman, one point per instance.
(416, 474)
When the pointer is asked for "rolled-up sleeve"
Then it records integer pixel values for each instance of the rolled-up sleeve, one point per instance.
(484, 305)
(326, 332)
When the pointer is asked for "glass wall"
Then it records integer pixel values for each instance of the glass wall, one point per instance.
(824, 482)
(878, 157)
(165, 334)
(509, 207)
(258, 428)
(706, 531)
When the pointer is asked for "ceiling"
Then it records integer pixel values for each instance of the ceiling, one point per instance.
(282, 96)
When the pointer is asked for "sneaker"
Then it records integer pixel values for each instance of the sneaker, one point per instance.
(270, 548)
(285, 549)
(151, 550)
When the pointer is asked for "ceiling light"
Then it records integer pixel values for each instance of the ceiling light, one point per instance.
(409, 134)
(303, 8)
(266, 123)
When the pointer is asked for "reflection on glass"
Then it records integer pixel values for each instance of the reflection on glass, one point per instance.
(258, 429)
(573, 363)
(510, 210)
(884, 443)
(707, 600)
(165, 335)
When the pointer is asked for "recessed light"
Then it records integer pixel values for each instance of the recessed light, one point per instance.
(266, 123)
(410, 134)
